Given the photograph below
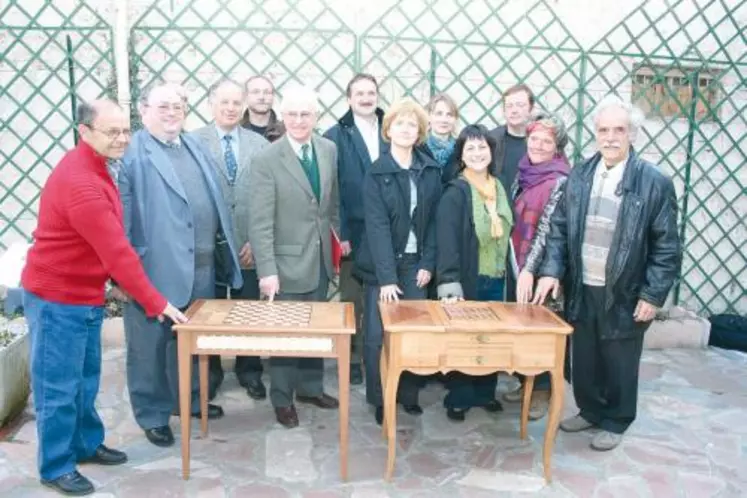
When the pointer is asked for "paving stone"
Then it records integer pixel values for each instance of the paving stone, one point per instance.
(288, 455)
(502, 481)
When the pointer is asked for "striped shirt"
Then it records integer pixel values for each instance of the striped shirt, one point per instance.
(601, 220)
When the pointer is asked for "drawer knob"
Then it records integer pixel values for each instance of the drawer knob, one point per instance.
(482, 339)
(478, 360)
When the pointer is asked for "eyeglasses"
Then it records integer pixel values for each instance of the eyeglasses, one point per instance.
(165, 108)
(113, 133)
(293, 115)
(257, 91)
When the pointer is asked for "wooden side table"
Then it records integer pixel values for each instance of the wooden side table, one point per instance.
(261, 328)
(476, 338)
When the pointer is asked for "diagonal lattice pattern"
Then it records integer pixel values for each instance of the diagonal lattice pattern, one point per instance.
(197, 44)
(682, 61)
(702, 144)
(49, 58)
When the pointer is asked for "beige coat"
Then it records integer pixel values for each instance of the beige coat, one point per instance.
(287, 226)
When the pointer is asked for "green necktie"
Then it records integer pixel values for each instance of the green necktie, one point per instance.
(310, 168)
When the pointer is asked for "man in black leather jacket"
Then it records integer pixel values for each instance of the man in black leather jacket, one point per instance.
(614, 244)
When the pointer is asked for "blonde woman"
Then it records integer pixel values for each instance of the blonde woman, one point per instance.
(397, 253)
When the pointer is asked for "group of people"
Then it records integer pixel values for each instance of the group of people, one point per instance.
(250, 206)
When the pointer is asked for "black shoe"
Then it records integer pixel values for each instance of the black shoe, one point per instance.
(379, 415)
(160, 436)
(72, 484)
(255, 389)
(493, 406)
(356, 375)
(106, 456)
(455, 414)
(413, 409)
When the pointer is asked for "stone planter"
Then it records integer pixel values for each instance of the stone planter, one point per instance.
(15, 384)
(677, 328)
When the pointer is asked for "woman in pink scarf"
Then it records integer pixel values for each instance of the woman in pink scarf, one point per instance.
(540, 182)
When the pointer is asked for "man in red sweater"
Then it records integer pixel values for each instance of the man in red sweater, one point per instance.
(79, 244)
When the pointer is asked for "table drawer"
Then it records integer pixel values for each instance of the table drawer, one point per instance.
(478, 340)
(497, 357)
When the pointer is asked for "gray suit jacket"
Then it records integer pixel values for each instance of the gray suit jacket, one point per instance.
(236, 196)
(287, 226)
(157, 217)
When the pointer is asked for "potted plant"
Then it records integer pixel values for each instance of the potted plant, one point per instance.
(15, 384)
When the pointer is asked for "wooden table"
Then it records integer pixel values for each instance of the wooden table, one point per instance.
(476, 338)
(261, 328)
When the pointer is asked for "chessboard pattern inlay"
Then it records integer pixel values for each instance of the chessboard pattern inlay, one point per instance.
(268, 314)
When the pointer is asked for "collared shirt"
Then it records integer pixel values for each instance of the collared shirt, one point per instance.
(601, 221)
(234, 133)
(370, 132)
(296, 146)
(177, 142)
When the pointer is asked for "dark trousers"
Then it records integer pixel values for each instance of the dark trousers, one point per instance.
(247, 368)
(605, 371)
(467, 391)
(304, 376)
(65, 358)
(351, 291)
(407, 392)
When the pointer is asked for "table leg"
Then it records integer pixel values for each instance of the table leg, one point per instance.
(204, 394)
(343, 373)
(390, 414)
(185, 393)
(383, 370)
(553, 418)
(526, 401)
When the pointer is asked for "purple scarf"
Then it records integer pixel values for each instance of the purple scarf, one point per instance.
(536, 182)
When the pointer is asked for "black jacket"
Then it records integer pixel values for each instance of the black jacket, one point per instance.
(275, 128)
(646, 252)
(458, 247)
(353, 162)
(499, 155)
(386, 199)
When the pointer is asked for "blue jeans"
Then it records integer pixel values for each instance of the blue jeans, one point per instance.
(65, 372)
(467, 391)
(407, 391)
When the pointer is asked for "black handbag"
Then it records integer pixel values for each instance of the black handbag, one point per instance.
(223, 259)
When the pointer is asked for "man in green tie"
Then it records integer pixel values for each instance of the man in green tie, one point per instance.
(293, 204)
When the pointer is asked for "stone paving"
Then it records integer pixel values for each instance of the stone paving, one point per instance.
(690, 440)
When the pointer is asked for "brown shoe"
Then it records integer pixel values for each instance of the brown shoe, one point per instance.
(325, 401)
(287, 416)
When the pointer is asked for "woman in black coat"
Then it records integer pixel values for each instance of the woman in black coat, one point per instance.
(397, 255)
(473, 231)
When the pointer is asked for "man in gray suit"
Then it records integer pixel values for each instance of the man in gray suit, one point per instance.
(293, 204)
(173, 210)
(233, 148)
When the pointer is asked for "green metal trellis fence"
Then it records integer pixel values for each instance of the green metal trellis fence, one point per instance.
(683, 61)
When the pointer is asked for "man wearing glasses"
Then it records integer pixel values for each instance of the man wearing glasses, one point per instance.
(174, 211)
(79, 244)
(293, 205)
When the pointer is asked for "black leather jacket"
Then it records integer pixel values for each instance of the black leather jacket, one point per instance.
(646, 252)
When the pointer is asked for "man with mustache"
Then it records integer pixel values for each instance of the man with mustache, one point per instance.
(614, 244)
(359, 143)
(233, 148)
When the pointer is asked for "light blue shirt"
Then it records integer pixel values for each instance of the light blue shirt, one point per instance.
(234, 140)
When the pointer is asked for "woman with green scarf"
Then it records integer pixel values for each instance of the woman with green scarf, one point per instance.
(473, 226)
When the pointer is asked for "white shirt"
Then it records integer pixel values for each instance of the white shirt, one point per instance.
(296, 146)
(412, 241)
(234, 140)
(370, 132)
